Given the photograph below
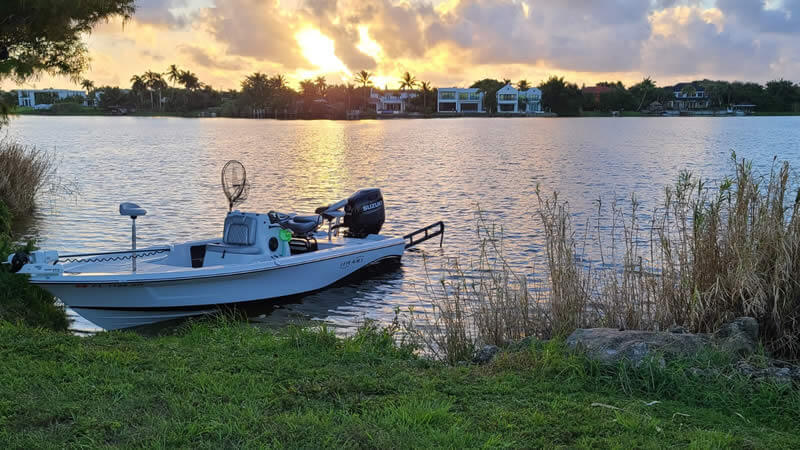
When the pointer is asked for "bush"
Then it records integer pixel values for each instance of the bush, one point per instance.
(20, 301)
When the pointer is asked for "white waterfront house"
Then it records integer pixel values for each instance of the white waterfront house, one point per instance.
(512, 100)
(460, 100)
(391, 101)
(44, 98)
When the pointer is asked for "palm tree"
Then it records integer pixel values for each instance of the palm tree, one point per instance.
(308, 88)
(364, 79)
(154, 81)
(88, 85)
(425, 86)
(407, 81)
(647, 85)
(138, 85)
(322, 86)
(173, 74)
(280, 81)
(350, 89)
(189, 80)
(523, 85)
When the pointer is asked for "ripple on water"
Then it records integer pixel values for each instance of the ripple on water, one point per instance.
(428, 170)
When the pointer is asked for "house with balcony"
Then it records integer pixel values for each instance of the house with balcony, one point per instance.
(512, 100)
(391, 101)
(44, 98)
(531, 101)
(507, 99)
(460, 100)
(688, 97)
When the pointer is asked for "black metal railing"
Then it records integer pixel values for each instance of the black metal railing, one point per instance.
(432, 230)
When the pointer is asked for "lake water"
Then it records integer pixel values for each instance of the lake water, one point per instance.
(428, 170)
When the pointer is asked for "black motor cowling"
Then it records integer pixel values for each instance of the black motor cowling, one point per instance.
(18, 260)
(364, 213)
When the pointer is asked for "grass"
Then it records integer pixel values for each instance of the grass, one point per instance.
(218, 384)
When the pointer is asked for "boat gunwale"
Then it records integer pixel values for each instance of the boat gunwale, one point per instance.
(106, 278)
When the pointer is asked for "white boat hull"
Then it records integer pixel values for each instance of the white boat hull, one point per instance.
(113, 301)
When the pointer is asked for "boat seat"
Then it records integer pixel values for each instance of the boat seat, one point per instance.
(302, 225)
(239, 230)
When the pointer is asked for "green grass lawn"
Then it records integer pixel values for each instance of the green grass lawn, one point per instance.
(226, 385)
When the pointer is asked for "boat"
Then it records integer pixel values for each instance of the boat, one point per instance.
(260, 256)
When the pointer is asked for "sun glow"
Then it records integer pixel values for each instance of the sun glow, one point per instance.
(367, 45)
(319, 50)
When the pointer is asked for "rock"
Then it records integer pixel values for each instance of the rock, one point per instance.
(739, 337)
(609, 345)
(776, 371)
(486, 354)
(522, 344)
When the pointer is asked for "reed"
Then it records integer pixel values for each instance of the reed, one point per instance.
(24, 172)
(707, 254)
(482, 303)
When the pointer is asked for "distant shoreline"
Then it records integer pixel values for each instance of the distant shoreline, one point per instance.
(202, 114)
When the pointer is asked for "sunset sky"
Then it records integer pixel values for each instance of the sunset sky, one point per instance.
(450, 42)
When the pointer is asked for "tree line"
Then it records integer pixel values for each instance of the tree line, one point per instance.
(261, 95)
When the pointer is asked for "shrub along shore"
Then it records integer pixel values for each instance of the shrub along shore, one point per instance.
(218, 383)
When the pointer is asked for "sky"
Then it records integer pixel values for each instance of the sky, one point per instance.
(449, 42)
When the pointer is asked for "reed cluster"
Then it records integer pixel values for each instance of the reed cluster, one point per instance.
(707, 254)
(24, 172)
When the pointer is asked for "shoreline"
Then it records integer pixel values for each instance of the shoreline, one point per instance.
(216, 383)
(206, 115)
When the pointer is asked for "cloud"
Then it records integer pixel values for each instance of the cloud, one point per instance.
(755, 14)
(163, 13)
(203, 58)
(257, 29)
(580, 35)
(690, 43)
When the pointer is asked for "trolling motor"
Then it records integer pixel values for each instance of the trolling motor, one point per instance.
(133, 211)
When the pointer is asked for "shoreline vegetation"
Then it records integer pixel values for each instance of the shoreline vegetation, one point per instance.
(217, 383)
(180, 92)
(88, 111)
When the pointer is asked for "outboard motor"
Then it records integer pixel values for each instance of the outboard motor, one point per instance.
(17, 260)
(364, 213)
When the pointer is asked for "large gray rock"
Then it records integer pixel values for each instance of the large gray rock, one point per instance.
(610, 345)
(739, 337)
(486, 354)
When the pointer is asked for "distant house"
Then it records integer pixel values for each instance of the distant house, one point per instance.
(512, 100)
(44, 98)
(596, 92)
(689, 96)
(391, 101)
(460, 100)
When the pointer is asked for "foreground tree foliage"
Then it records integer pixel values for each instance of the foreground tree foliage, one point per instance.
(46, 35)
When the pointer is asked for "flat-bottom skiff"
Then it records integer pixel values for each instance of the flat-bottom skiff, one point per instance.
(259, 257)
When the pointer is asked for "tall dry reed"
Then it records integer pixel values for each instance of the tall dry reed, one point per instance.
(484, 303)
(24, 172)
(707, 254)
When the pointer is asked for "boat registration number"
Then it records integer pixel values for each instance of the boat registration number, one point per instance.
(351, 262)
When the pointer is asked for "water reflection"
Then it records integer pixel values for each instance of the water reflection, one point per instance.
(428, 170)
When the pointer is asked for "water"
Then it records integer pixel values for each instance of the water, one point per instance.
(428, 170)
